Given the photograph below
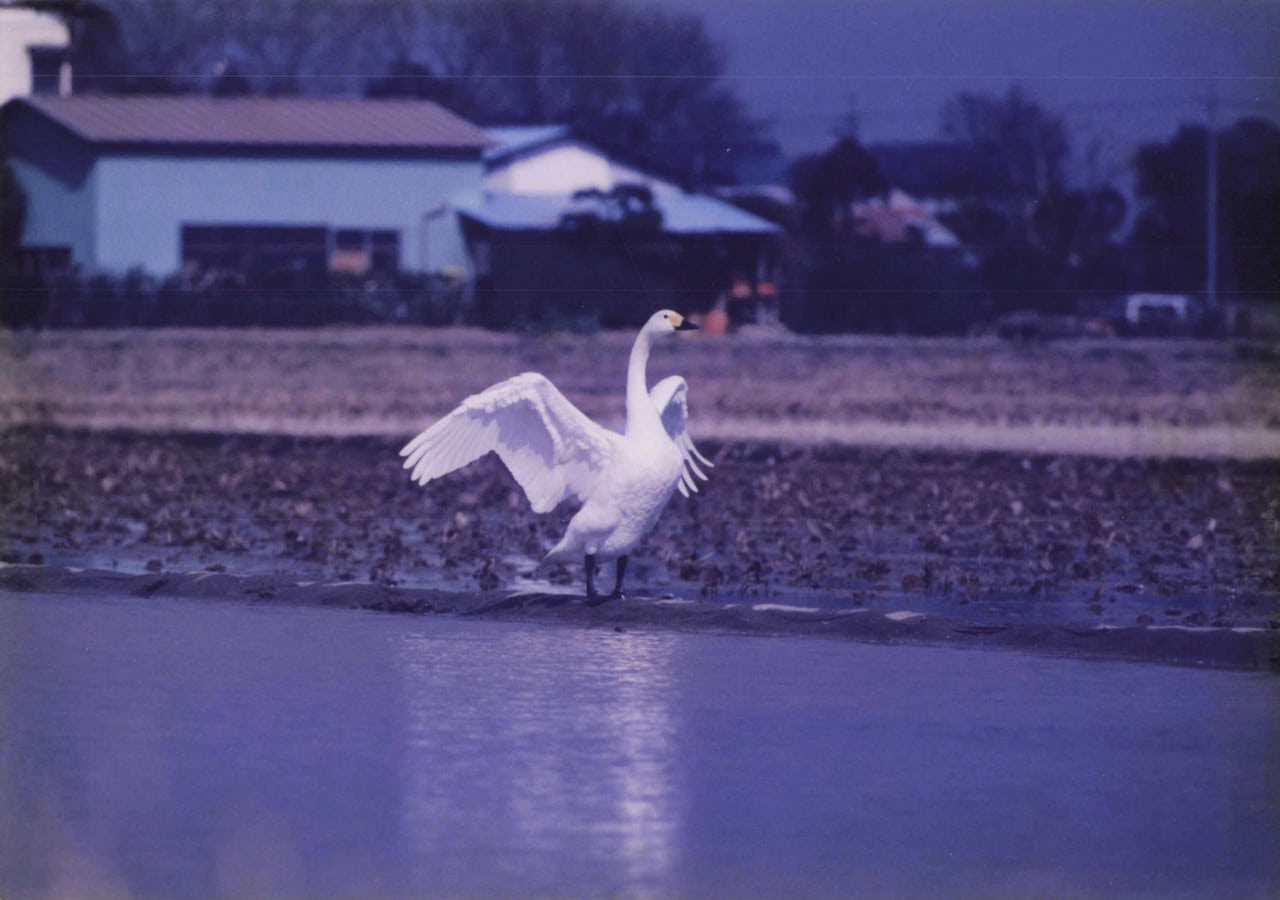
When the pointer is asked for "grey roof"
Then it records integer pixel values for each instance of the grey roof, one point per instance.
(263, 122)
(681, 214)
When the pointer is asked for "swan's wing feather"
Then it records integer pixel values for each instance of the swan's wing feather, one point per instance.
(670, 397)
(549, 446)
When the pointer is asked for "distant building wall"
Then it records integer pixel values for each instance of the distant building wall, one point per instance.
(116, 209)
(57, 176)
(144, 200)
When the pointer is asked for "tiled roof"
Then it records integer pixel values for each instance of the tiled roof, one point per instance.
(682, 214)
(263, 122)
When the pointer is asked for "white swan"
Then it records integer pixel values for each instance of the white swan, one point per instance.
(555, 452)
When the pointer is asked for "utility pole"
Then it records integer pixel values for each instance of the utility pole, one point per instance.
(1211, 202)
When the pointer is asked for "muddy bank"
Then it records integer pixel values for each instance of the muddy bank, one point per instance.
(992, 539)
(1246, 649)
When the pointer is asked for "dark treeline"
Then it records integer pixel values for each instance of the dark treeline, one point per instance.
(1030, 240)
(628, 75)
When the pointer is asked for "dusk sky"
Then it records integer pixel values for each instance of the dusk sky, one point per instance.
(1119, 71)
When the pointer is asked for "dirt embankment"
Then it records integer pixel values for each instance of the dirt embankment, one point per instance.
(1242, 648)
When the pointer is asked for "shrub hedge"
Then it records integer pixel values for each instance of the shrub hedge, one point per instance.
(137, 299)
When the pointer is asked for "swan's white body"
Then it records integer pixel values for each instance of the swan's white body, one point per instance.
(555, 452)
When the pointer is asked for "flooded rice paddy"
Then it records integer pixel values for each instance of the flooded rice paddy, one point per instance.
(155, 747)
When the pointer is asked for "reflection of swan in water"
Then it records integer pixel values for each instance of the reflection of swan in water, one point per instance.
(639, 719)
(562, 756)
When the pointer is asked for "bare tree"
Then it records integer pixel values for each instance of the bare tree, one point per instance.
(1024, 145)
(274, 45)
(627, 75)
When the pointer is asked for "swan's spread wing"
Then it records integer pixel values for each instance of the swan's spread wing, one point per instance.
(670, 396)
(550, 447)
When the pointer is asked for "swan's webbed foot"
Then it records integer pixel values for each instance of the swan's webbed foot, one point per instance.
(617, 586)
(594, 597)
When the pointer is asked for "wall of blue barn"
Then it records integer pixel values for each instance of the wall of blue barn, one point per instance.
(143, 201)
(58, 178)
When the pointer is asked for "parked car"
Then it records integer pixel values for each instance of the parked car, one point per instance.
(1165, 314)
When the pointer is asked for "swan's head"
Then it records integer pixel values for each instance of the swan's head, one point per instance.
(666, 321)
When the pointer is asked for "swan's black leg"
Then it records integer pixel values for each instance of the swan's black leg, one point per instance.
(617, 587)
(589, 566)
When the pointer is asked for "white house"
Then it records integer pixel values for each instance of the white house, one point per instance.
(532, 174)
(565, 228)
(33, 50)
(548, 159)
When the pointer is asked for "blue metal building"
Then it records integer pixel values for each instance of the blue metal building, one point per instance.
(164, 184)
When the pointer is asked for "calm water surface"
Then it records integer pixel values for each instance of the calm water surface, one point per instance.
(165, 748)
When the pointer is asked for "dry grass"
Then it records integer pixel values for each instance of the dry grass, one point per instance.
(1111, 398)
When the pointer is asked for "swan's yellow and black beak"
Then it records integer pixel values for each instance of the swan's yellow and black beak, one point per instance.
(683, 324)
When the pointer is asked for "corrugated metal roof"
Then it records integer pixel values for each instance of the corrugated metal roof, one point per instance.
(514, 139)
(698, 213)
(263, 122)
(683, 214)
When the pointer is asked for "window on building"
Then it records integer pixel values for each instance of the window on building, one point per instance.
(41, 261)
(361, 251)
(384, 252)
(46, 69)
(350, 251)
(275, 248)
(256, 248)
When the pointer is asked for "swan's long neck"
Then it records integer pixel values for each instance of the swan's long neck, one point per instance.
(641, 414)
